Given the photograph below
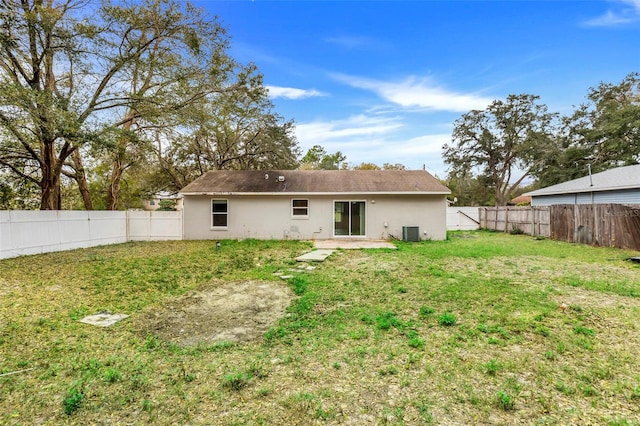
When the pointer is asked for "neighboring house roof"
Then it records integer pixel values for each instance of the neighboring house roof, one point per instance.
(521, 199)
(627, 177)
(164, 195)
(315, 182)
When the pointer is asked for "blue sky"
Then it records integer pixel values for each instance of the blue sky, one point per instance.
(384, 81)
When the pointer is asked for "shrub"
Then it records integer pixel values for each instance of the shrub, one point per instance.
(515, 230)
(167, 206)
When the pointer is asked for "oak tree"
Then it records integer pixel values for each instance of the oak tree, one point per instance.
(503, 143)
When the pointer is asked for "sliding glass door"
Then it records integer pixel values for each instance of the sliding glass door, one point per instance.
(349, 218)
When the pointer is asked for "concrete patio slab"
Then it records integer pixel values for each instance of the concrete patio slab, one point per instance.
(315, 256)
(352, 244)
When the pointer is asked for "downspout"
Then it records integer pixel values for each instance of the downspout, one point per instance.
(590, 181)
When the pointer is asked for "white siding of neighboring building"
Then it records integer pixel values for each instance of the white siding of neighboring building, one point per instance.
(548, 200)
(630, 196)
(584, 198)
(270, 217)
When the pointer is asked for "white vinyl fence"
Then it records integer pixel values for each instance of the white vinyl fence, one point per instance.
(154, 225)
(463, 218)
(32, 232)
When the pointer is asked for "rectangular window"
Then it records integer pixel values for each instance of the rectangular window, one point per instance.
(219, 213)
(300, 208)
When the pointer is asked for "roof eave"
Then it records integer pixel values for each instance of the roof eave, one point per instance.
(581, 191)
(281, 193)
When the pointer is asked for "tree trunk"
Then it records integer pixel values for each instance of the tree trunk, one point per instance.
(114, 185)
(50, 183)
(498, 195)
(50, 188)
(81, 179)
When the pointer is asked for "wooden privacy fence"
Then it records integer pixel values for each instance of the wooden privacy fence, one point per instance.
(609, 225)
(528, 220)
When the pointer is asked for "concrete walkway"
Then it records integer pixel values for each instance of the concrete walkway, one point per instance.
(315, 256)
(352, 244)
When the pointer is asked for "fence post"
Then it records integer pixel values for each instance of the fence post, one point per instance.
(506, 220)
(533, 220)
(596, 228)
(126, 225)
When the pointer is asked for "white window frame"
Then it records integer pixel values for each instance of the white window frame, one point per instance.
(219, 213)
(293, 208)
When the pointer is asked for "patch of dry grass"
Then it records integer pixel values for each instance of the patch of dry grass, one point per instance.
(361, 344)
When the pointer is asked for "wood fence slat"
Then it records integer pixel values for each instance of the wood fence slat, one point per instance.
(608, 225)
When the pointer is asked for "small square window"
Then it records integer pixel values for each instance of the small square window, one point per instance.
(219, 213)
(300, 208)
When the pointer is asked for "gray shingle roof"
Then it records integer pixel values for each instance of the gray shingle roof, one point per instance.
(627, 177)
(315, 182)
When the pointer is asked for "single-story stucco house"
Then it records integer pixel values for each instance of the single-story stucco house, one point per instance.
(315, 205)
(615, 186)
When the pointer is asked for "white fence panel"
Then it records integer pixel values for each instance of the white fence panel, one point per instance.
(463, 218)
(107, 227)
(154, 225)
(32, 232)
(74, 230)
(25, 232)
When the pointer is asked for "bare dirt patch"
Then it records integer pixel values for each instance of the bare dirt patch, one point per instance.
(234, 312)
(573, 296)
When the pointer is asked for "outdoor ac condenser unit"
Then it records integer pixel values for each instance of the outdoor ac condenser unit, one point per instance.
(410, 233)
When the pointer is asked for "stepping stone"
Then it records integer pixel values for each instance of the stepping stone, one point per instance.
(315, 256)
(103, 320)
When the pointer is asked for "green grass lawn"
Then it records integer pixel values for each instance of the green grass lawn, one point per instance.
(463, 331)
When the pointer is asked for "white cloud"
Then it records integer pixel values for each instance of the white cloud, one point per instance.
(426, 144)
(355, 129)
(626, 15)
(415, 92)
(375, 139)
(292, 93)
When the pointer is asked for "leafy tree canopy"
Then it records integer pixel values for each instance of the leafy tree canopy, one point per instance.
(603, 132)
(92, 90)
(317, 158)
(504, 144)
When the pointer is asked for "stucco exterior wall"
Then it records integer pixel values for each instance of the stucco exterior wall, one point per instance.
(270, 217)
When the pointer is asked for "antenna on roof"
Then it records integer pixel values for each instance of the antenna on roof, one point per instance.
(590, 177)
